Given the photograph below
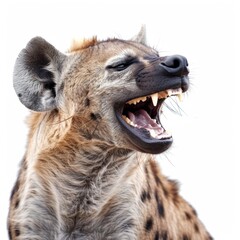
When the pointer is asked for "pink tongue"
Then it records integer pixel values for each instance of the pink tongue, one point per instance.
(143, 120)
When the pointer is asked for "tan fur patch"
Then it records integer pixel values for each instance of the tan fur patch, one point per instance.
(81, 44)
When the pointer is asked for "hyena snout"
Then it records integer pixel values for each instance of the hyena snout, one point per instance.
(176, 65)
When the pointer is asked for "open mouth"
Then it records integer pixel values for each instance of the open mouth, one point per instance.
(141, 119)
(144, 112)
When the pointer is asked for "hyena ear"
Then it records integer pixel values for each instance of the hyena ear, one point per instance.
(36, 75)
(141, 36)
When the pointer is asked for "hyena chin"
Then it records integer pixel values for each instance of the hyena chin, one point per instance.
(89, 171)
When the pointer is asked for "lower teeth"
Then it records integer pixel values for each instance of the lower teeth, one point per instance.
(164, 135)
(152, 132)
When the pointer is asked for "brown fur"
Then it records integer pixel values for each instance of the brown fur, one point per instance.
(81, 178)
(78, 45)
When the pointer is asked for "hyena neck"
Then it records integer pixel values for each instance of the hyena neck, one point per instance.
(89, 177)
(87, 172)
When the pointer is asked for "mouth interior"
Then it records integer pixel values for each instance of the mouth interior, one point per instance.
(144, 112)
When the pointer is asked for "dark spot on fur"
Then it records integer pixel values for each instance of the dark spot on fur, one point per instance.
(146, 171)
(24, 164)
(160, 209)
(17, 232)
(196, 228)
(144, 196)
(50, 85)
(148, 196)
(185, 237)
(160, 206)
(87, 102)
(188, 216)
(19, 95)
(17, 203)
(149, 224)
(95, 116)
(164, 235)
(156, 237)
(155, 172)
(86, 135)
(9, 232)
(157, 180)
(194, 212)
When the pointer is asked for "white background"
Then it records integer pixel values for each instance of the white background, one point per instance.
(205, 147)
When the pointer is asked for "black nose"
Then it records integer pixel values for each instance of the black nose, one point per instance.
(175, 65)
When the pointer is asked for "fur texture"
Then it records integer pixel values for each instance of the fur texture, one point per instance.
(81, 176)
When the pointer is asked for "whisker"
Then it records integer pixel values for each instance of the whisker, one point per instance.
(172, 108)
(64, 120)
(179, 108)
(176, 106)
(166, 156)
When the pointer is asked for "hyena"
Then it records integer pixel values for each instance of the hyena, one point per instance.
(89, 171)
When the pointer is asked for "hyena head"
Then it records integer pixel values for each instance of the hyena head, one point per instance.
(112, 90)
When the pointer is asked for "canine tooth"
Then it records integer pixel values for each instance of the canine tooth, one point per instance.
(154, 99)
(180, 97)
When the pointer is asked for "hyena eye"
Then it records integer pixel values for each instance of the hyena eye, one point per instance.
(120, 66)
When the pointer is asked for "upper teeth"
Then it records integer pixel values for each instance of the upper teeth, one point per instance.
(154, 99)
(159, 95)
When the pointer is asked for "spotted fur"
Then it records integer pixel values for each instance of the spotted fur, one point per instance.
(80, 177)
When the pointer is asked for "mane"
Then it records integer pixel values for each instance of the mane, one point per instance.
(81, 44)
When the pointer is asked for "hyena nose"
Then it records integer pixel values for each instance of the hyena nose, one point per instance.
(175, 65)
